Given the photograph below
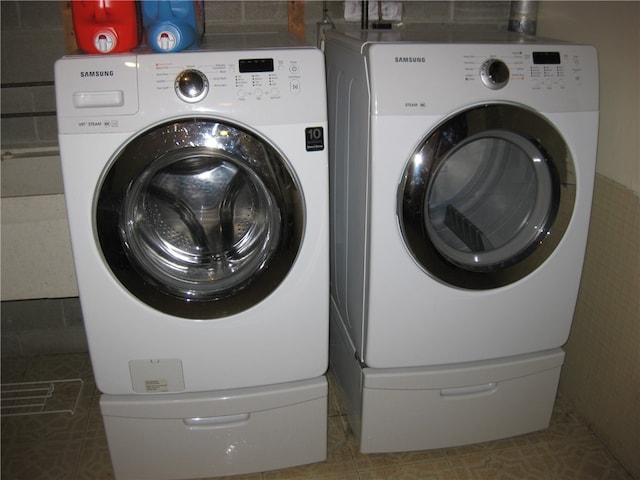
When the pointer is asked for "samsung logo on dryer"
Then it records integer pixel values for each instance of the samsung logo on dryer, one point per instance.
(97, 73)
(410, 59)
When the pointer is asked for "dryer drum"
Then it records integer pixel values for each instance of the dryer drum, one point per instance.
(486, 196)
(198, 218)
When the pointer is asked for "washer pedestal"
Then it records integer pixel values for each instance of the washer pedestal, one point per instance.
(196, 435)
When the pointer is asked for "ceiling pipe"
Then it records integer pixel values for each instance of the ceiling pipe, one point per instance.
(364, 14)
(523, 16)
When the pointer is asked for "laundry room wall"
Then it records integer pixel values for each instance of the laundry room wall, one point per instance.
(40, 308)
(601, 375)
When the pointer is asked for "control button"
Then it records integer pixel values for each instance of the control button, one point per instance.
(294, 86)
(275, 92)
(241, 94)
(293, 68)
(191, 85)
(494, 74)
(258, 93)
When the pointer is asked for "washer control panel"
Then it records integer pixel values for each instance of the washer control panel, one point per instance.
(260, 86)
(250, 79)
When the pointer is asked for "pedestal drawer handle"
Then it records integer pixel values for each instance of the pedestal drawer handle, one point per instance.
(470, 390)
(214, 422)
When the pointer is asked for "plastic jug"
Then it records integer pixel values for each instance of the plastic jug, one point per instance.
(172, 26)
(106, 26)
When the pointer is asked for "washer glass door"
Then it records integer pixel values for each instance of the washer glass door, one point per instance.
(198, 218)
(486, 196)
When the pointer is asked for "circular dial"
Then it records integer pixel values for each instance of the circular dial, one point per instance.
(192, 85)
(494, 73)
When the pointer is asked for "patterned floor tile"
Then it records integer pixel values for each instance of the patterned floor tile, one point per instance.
(339, 463)
(336, 403)
(52, 460)
(74, 447)
(251, 476)
(94, 462)
(533, 464)
(380, 461)
(432, 470)
(13, 369)
(58, 367)
(484, 447)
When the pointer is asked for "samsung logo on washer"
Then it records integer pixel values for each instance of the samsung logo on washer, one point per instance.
(97, 73)
(410, 60)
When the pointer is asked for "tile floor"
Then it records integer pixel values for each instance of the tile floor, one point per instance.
(69, 447)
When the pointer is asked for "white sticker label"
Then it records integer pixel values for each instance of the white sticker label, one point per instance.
(156, 386)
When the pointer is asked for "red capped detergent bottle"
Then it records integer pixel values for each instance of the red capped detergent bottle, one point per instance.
(106, 26)
(172, 26)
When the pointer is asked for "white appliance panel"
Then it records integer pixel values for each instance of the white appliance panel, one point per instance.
(438, 324)
(281, 339)
(236, 344)
(473, 361)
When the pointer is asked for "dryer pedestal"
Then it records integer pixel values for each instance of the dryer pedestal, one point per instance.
(422, 408)
(196, 435)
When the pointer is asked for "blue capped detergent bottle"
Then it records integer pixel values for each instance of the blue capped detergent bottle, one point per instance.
(172, 26)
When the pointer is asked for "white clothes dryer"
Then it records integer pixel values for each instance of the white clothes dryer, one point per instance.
(197, 193)
(461, 198)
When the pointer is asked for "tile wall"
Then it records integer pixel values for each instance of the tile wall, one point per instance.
(32, 38)
(601, 374)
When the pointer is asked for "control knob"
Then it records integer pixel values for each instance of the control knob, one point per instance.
(494, 73)
(192, 85)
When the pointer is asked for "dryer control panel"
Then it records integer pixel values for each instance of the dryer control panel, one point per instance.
(541, 69)
(439, 77)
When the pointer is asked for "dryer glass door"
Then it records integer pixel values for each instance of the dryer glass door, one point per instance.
(199, 219)
(480, 198)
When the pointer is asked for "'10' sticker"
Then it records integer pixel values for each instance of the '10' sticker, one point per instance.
(315, 138)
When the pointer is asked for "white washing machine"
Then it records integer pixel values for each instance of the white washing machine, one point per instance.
(461, 172)
(197, 194)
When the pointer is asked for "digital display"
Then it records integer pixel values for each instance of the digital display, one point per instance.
(256, 65)
(546, 58)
